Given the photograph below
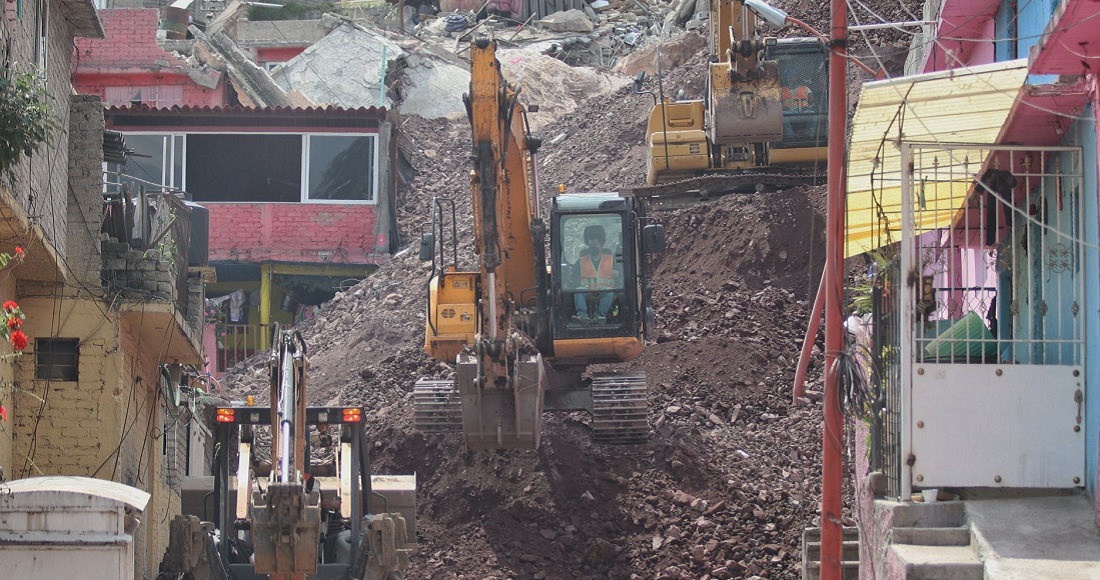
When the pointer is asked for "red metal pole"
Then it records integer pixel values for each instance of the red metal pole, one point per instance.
(808, 343)
(831, 452)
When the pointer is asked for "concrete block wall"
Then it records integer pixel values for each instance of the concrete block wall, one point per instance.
(292, 232)
(137, 274)
(85, 207)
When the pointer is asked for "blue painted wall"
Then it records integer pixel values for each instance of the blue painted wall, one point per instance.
(1083, 133)
(1034, 15)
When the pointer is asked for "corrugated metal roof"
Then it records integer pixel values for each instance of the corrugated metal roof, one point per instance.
(967, 105)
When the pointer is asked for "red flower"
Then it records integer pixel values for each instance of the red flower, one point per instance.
(10, 306)
(3, 413)
(18, 250)
(18, 340)
(14, 322)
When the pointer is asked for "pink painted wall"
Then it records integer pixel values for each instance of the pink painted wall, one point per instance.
(293, 232)
(281, 54)
(193, 94)
(130, 43)
(129, 56)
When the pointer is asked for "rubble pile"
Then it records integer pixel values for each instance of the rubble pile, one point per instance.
(730, 477)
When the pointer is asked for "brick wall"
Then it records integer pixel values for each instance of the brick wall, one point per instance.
(130, 43)
(40, 178)
(193, 94)
(137, 274)
(289, 232)
(85, 203)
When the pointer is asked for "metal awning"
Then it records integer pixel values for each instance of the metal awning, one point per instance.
(964, 105)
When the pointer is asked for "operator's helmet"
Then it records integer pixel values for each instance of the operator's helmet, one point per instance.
(594, 233)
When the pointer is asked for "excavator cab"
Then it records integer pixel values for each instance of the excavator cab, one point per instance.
(803, 78)
(597, 286)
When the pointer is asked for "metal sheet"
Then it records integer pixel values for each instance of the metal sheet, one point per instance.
(966, 105)
(997, 426)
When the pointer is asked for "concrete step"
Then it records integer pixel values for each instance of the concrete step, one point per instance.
(811, 554)
(848, 571)
(914, 562)
(944, 514)
(957, 536)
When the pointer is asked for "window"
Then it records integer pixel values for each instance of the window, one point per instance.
(257, 167)
(57, 359)
(157, 159)
(341, 168)
(592, 277)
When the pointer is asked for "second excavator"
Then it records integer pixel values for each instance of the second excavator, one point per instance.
(761, 122)
(552, 295)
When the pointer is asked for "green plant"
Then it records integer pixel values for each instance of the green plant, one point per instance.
(863, 293)
(26, 119)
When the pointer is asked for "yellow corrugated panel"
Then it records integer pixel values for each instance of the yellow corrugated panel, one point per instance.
(967, 105)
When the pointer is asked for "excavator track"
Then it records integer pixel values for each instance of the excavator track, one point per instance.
(438, 407)
(695, 189)
(620, 408)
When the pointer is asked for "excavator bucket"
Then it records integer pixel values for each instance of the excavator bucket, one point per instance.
(502, 418)
(748, 111)
(286, 523)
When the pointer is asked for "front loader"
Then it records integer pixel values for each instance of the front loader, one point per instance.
(284, 517)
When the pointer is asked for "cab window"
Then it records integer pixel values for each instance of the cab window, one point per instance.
(591, 253)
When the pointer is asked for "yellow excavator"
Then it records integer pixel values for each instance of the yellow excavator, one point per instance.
(762, 122)
(523, 328)
(286, 517)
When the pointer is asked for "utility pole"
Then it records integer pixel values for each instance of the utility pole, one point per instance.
(832, 434)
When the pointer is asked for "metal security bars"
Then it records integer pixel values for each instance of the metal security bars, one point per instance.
(991, 323)
(993, 247)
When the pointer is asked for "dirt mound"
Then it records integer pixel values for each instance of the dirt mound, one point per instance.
(731, 475)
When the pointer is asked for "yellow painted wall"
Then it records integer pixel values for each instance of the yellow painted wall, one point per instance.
(106, 425)
(7, 375)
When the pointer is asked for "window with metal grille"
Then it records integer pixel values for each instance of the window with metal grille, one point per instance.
(57, 359)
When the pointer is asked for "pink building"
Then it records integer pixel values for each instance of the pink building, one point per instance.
(128, 66)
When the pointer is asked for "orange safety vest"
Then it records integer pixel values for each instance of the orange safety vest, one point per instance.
(797, 100)
(593, 280)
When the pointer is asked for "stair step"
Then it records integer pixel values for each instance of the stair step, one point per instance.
(849, 550)
(938, 562)
(848, 571)
(959, 536)
(811, 554)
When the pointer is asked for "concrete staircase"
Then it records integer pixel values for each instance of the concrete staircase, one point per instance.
(811, 554)
(932, 542)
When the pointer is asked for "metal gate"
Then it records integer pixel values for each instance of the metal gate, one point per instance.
(992, 346)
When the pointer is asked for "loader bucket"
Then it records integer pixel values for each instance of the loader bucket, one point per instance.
(286, 525)
(502, 418)
(747, 111)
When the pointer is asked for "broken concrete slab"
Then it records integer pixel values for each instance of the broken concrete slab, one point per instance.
(569, 21)
(553, 85)
(674, 52)
(345, 68)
